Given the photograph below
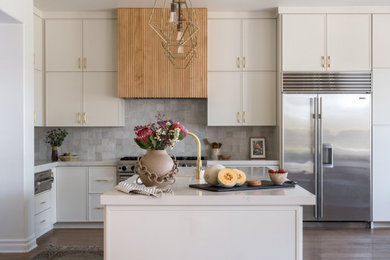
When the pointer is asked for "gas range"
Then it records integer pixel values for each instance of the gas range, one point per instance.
(126, 165)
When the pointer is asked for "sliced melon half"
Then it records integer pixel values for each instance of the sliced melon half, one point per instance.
(241, 177)
(227, 178)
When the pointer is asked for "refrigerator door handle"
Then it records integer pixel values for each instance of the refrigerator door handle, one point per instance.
(315, 156)
(320, 160)
(327, 151)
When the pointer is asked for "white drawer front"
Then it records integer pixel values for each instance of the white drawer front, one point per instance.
(43, 221)
(96, 210)
(42, 201)
(101, 179)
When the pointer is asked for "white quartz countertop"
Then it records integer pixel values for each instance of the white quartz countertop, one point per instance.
(43, 166)
(184, 195)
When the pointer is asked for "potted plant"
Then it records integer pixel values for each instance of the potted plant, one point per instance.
(55, 138)
(156, 167)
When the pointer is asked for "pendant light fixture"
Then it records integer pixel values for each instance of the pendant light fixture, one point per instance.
(174, 22)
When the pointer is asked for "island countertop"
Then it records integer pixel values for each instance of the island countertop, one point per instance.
(182, 194)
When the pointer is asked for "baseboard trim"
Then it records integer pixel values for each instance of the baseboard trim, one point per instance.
(375, 225)
(61, 225)
(338, 225)
(18, 245)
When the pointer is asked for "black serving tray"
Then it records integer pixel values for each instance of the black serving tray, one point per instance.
(264, 185)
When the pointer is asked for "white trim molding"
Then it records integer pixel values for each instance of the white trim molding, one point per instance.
(375, 225)
(80, 15)
(335, 10)
(18, 245)
(273, 13)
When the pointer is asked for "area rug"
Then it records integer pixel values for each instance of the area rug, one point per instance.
(54, 252)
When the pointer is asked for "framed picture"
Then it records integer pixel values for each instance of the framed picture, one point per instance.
(257, 147)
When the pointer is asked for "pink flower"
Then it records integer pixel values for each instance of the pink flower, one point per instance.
(144, 133)
(182, 129)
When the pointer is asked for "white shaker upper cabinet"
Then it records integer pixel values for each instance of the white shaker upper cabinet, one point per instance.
(259, 98)
(224, 99)
(381, 94)
(224, 45)
(38, 98)
(303, 42)
(38, 42)
(381, 41)
(64, 98)
(259, 45)
(99, 45)
(102, 107)
(348, 42)
(63, 45)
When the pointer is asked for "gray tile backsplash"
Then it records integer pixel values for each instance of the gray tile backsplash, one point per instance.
(104, 143)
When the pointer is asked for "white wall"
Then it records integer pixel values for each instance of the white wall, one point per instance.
(16, 127)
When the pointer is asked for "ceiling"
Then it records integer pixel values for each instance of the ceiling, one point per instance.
(212, 5)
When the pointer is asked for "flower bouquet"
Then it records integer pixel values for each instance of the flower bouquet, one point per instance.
(156, 167)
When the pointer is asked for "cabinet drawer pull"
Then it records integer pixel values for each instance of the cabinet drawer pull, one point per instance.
(79, 59)
(102, 180)
(243, 117)
(323, 61)
(85, 117)
(79, 120)
(42, 221)
(34, 58)
(85, 63)
(99, 208)
(238, 62)
(238, 117)
(328, 61)
(35, 117)
(42, 202)
(244, 62)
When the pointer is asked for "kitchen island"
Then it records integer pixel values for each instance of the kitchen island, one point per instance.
(193, 224)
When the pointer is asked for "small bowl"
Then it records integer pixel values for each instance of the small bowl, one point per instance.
(224, 156)
(278, 178)
(71, 158)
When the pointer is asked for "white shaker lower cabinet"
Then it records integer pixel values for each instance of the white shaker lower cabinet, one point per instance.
(259, 98)
(381, 177)
(224, 99)
(102, 107)
(64, 98)
(72, 190)
(79, 190)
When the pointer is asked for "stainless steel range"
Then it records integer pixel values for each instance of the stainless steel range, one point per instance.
(126, 165)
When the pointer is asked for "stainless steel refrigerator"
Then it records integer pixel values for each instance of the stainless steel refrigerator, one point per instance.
(326, 142)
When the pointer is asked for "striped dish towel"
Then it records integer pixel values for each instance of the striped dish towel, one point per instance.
(128, 187)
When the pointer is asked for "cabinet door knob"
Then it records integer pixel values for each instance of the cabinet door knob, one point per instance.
(85, 63)
(323, 61)
(43, 221)
(42, 202)
(328, 61)
(79, 59)
(238, 62)
(238, 117)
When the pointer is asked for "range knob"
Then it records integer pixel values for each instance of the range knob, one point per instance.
(124, 168)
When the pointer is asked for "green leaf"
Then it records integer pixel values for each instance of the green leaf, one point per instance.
(152, 141)
(181, 135)
(141, 144)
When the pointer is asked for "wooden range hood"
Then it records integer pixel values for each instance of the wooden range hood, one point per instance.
(143, 69)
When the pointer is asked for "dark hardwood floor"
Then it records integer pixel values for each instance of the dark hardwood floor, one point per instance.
(318, 244)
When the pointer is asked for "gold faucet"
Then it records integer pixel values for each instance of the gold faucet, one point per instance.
(198, 170)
